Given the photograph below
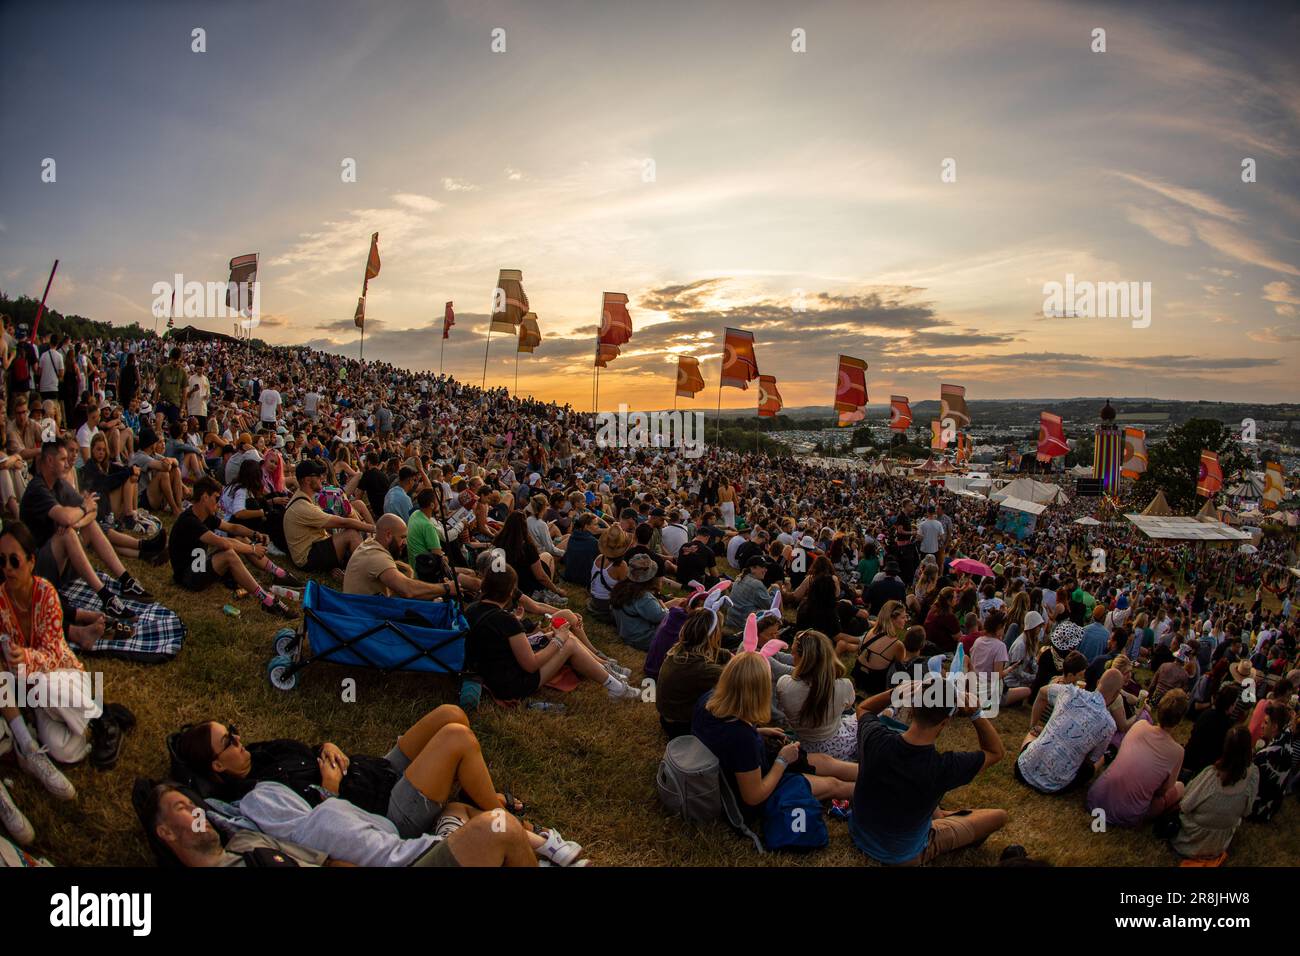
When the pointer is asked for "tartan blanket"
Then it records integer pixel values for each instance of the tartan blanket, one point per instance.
(156, 633)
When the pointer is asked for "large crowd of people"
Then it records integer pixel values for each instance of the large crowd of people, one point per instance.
(793, 614)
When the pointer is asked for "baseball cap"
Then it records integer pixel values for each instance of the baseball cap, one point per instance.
(308, 468)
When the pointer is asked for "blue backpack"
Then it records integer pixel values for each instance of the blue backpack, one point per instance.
(792, 817)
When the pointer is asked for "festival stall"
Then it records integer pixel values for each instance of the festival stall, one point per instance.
(1018, 517)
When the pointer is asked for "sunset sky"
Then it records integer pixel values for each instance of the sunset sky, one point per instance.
(797, 195)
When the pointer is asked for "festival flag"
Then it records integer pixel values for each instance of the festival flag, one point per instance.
(963, 447)
(769, 398)
(739, 364)
(1274, 487)
(171, 310)
(952, 404)
(936, 436)
(1209, 477)
(615, 322)
(851, 385)
(848, 418)
(689, 379)
(1135, 453)
(243, 273)
(900, 413)
(1051, 437)
(530, 336)
(372, 271)
(605, 354)
(509, 302)
(448, 320)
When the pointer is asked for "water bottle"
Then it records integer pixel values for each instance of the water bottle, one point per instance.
(471, 692)
(288, 594)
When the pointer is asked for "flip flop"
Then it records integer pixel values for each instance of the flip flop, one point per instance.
(512, 802)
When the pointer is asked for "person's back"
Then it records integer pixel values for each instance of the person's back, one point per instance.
(887, 588)
(1147, 759)
(1075, 737)
(1210, 813)
(683, 678)
(792, 694)
(579, 555)
(1093, 643)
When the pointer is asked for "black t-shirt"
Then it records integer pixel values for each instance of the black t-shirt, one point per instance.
(737, 745)
(886, 589)
(37, 502)
(695, 561)
(523, 566)
(899, 786)
(488, 652)
(185, 540)
(375, 484)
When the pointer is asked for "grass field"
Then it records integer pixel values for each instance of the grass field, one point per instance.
(588, 771)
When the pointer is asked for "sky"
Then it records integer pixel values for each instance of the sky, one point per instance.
(686, 154)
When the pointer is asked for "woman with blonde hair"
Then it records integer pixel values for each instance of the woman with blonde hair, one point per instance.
(1016, 612)
(815, 696)
(728, 721)
(881, 648)
(690, 669)
(918, 602)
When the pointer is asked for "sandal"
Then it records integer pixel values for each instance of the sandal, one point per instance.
(514, 805)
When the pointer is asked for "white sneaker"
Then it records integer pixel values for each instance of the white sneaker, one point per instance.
(625, 692)
(42, 768)
(18, 826)
(558, 850)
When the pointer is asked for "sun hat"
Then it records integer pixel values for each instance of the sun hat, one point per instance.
(614, 542)
(642, 568)
(1032, 620)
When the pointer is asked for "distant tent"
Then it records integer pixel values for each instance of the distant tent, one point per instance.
(1159, 507)
(1252, 489)
(1087, 520)
(1027, 489)
(192, 334)
(1208, 512)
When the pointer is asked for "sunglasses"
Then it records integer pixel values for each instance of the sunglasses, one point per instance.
(15, 560)
(228, 741)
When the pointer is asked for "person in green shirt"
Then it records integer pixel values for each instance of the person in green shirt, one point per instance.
(421, 533)
(172, 379)
(1084, 598)
(869, 565)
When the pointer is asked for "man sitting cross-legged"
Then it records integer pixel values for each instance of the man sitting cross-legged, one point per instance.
(64, 526)
(200, 555)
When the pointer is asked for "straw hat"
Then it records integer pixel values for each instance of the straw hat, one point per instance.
(614, 542)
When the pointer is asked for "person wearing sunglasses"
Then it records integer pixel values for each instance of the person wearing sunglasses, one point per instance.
(73, 725)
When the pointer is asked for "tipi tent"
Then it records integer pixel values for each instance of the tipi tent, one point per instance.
(1158, 507)
(1027, 489)
(1208, 512)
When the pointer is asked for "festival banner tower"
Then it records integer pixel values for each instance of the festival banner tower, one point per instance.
(1108, 452)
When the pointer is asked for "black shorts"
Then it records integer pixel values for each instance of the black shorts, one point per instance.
(511, 684)
(321, 556)
(202, 580)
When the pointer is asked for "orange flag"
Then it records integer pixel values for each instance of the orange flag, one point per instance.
(769, 399)
(952, 404)
(851, 385)
(509, 301)
(530, 336)
(372, 270)
(1134, 462)
(689, 379)
(1051, 437)
(936, 436)
(448, 320)
(739, 364)
(1274, 486)
(1209, 477)
(900, 413)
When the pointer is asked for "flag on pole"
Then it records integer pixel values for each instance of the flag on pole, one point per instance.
(689, 379)
(952, 404)
(448, 320)
(963, 447)
(851, 385)
(739, 364)
(900, 413)
(1051, 437)
(530, 336)
(769, 398)
(359, 316)
(615, 328)
(171, 310)
(848, 418)
(1135, 453)
(509, 302)
(1274, 487)
(1209, 477)
(372, 270)
(243, 273)
(606, 354)
(372, 263)
(936, 436)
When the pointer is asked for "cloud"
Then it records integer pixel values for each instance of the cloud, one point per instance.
(1191, 198)
(417, 202)
(1284, 298)
(1160, 224)
(453, 185)
(513, 174)
(1275, 334)
(1227, 240)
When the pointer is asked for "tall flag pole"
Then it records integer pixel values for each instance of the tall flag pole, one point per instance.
(372, 270)
(448, 320)
(851, 390)
(615, 330)
(739, 367)
(41, 310)
(689, 379)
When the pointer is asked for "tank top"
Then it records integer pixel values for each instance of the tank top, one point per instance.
(601, 583)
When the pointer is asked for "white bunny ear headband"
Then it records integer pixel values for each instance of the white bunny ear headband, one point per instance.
(715, 598)
(774, 610)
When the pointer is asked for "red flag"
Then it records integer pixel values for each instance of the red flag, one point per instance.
(243, 272)
(615, 322)
(769, 398)
(689, 379)
(900, 413)
(739, 364)
(1209, 477)
(1134, 462)
(1051, 437)
(448, 320)
(936, 436)
(851, 385)
(530, 336)
(372, 263)
(605, 354)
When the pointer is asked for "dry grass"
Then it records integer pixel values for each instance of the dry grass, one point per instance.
(589, 771)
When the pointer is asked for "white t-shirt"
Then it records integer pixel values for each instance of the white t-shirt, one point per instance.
(51, 365)
(931, 535)
(197, 404)
(733, 546)
(85, 435)
(673, 537)
(270, 400)
(310, 402)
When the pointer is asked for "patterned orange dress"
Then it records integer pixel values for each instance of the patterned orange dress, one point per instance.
(40, 631)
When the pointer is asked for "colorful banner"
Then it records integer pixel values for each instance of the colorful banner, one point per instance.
(900, 413)
(1107, 455)
(851, 385)
(509, 302)
(689, 379)
(1274, 486)
(952, 404)
(1135, 453)
(372, 271)
(936, 436)
(1209, 476)
(448, 320)
(243, 273)
(769, 398)
(739, 364)
(1051, 437)
(605, 354)
(530, 336)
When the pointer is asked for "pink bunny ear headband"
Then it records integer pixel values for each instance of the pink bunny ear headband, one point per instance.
(750, 639)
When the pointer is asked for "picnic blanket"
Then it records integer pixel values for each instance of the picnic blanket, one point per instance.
(157, 632)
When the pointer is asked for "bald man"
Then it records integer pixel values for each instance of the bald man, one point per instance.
(373, 567)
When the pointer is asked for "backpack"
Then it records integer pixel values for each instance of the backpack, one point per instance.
(21, 371)
(792, 817)
(690, 785)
